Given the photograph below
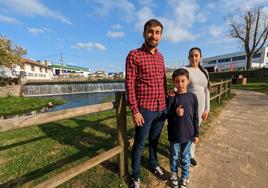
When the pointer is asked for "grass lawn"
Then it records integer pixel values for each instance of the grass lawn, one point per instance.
(31, 155)
(256, 86)
(11, 105)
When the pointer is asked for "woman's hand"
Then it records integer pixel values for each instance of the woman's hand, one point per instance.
(204, 116)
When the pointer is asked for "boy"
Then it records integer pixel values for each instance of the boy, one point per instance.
(182, 127)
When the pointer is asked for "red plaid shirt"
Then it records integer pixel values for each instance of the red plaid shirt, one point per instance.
(145, 80)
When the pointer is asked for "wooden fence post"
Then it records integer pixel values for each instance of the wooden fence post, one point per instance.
(219, 91)
(122, 131)
(226, 88)
(229, 85)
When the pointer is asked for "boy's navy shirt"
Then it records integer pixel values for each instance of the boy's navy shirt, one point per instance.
(182, 129)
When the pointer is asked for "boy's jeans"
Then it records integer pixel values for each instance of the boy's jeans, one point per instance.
(180, 151)
(153, 124)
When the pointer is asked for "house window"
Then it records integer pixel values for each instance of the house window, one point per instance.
(212, 62)
(225, 60)
(267, 54)
(46, 70)
(237, 58)
(22, 67)
(257, 55)
(32, 68)
(40, 69)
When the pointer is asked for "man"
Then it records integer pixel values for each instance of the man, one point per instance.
(146, 90)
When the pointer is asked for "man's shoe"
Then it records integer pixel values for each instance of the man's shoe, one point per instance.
(174, 180)
(184, 182)
(135, 183)
(193, 162)
(158, 172)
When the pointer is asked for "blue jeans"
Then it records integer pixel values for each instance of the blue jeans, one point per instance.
(180, 151)
(153, 124)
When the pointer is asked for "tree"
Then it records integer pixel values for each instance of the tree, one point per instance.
(10, 54)
(251, 29)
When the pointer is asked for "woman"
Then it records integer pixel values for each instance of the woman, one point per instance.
(199, 85)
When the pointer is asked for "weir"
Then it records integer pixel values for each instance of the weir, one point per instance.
(47, 89)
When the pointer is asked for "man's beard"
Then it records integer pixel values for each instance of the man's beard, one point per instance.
(151, 45)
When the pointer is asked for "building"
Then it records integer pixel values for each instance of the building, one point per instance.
(27, 69)
(69, 70)
(235, 61)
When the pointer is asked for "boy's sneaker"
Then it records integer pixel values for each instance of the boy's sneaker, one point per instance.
(185, 182)
(158, 172)
(193, 162)
(174, 180)
(135, 183)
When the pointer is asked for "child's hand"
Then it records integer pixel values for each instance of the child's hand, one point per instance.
(180, 111)
(195, 140)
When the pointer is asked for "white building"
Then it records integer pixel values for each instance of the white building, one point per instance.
(69, 70)
(235, 61)
(28, 69)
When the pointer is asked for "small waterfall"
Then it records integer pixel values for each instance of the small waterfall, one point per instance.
(69, 88)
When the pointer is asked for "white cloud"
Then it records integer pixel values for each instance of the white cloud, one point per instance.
(148, 3)
(240, 5)
(143, 15)
(175, 33)
(184, 11)
(265, 10)
(176, 27)
(33, 8)
(211, 5)
(9, 20)
(99, 46)
(37, 31)
(117, 26)
(89, 46)
(201, 17)
(215, 31)
(124, 7)
(113, 34)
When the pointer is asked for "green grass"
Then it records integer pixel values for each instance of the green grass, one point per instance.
(257, 86)
(31, 155)
(12, 105)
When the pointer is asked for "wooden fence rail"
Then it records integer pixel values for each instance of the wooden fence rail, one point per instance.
(121, 150)
(223, 87)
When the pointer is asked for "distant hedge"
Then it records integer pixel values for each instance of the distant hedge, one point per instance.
(257, 75)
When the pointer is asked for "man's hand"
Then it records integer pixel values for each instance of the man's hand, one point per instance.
(195, 140)
(180, 111)
(171, 93)
(138, 119)
(204, 116)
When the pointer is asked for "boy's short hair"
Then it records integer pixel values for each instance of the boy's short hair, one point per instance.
(180, 72)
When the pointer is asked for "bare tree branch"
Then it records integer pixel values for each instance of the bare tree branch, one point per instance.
(250, 32)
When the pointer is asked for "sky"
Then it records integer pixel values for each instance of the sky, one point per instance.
(98, 34)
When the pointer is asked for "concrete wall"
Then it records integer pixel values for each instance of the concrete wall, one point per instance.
(10, 90)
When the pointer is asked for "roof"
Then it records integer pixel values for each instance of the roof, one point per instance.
(72, 67)
(29, 61)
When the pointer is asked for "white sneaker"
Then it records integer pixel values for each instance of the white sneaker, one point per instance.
(185, 182)
(174, 180)
(135, 183)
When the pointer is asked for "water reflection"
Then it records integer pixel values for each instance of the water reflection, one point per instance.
(77, 100)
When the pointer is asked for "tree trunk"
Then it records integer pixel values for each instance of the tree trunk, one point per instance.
(249, 62)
